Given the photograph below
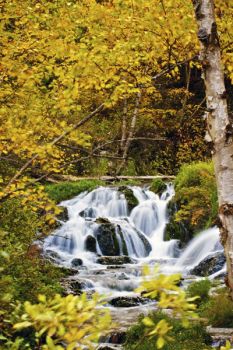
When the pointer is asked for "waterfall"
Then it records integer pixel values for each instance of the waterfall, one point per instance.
(136, 234)
(100, 223)
(199, 248)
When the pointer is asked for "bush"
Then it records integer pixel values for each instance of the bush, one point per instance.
(219, 311)
(195, 201)
(66, 190)
(200, 289)
(158, 186)
(193, 338)
(24, 273)
(196, 194)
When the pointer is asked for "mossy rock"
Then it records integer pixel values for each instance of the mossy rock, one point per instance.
(158, 186)
(129, 196)
(182, 231)
(107, 238)
(63, 215)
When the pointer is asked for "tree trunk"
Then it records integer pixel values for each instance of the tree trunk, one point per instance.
(131, 133)
(219, 127)
(124, 125)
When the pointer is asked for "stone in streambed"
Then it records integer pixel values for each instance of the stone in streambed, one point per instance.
(78, 286)
(127, 301)
(76, 262)
(132, 201)
(116, 260)
(107, 238)
(90, 244)
(214, 262)
(88, 213)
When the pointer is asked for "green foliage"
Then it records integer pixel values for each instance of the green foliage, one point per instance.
(200, 289)
(192, 338)
(158, 186)
(23, 274)
(66, 190)
(219, 310)
(196, 195)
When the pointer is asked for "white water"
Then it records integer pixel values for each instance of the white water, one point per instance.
(201, 246)
(148, 219)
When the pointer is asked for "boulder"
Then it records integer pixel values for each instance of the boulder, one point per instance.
(107, 238)
(127, 301)
(76, 262)
(212, 263)
(88, 213)
(115, 260)
(63, 216)
(146, 243)
(90, 244)
(129, 196)
(78, 286)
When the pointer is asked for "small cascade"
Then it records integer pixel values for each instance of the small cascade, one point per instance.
(100, 223)
(202, 245)
(103, 215)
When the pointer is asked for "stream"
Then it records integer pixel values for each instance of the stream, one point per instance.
(107, 241)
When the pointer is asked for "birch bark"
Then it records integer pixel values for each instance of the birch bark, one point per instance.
(219, 127)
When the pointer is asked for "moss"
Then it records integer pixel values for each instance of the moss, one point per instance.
(193, 338)
(195, 206)
(158, 186)
(66, 190)
(129, 196)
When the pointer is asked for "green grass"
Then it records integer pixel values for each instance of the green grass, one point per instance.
(193, 338)
(66, 190)
(219, 310)
(200, 289)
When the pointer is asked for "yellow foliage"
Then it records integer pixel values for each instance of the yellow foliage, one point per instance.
(66, 322)
(165, 289)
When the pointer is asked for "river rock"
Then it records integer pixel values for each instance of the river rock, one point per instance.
(212, 263)
(90, 244)
(126, 301)
(78, 286)
(146, 243)
(116, 260)
(107, 238)
(63, 216)
(88, 213)
(132, 201)
(76, 262)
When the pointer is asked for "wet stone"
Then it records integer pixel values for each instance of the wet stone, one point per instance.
(76, 262)
(212, 263)
(116, 260)
(127, 301)
(90, 244)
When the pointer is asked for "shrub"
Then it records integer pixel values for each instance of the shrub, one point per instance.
(158, 186)
(219, 311)
(66, 190)
(196, 195)
(200, 289)
(193, 338)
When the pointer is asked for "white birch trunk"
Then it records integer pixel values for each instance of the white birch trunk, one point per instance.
(131, 133)
(219, 127)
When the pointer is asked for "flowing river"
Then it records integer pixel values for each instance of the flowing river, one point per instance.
(108, 242)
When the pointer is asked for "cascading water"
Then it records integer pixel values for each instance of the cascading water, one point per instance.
(102, 217)
(199, 248)
(137, 233)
